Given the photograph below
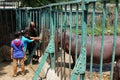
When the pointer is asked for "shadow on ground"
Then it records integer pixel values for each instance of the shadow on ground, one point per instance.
(95, 67)
(2, 65)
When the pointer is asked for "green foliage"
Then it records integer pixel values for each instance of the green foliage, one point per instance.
(98, 31)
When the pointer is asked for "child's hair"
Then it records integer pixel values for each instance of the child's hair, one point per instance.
(23, 32)
(17, 34)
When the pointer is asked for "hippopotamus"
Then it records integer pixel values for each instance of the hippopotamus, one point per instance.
(108, 45)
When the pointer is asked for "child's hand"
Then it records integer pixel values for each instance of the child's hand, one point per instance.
(25, 57)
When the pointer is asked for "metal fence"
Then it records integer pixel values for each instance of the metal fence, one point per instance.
(67, 14)
(69, 18)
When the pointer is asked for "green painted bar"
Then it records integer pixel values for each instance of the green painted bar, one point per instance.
(47, 20)
(80, 66)
(37, 18)
(55, 17)
(33, 16)
(70, 39)
(40, 66)
(102, 43)
(92, 41)
(26, 18)
(22, 17)
(52, 65)
(65, 17)
(114, 38)
(76, 51)
(56, 24)
(57, 20)
(39, 21)
(20, 23)
(17, 20)
(44, 19)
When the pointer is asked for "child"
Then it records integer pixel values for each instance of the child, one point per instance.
(17, 53)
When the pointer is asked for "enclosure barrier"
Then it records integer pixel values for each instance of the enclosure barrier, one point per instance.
(75, 16)
(62, 16)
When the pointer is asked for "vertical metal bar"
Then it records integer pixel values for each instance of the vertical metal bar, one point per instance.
(76, 51)
(43, 25)
(80, 66)
(36, 17)
(17, 21)
(65, 24)
(26, 18)
(31, 15)
(70, 39)
(102, 42)
(55, 21)
(56, 18)
(65, 18)
(33, 18)
(52, 36)
(58, 27)
(22, 16)
(20, 27)
(39, 21)
(47, 19)
(83, 40)
(55, 26)
(92, 41)
(114, 38)
(61, 17)
(40, 66)
(44, 19)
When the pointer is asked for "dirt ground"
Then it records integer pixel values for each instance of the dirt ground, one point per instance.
(6, 71)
